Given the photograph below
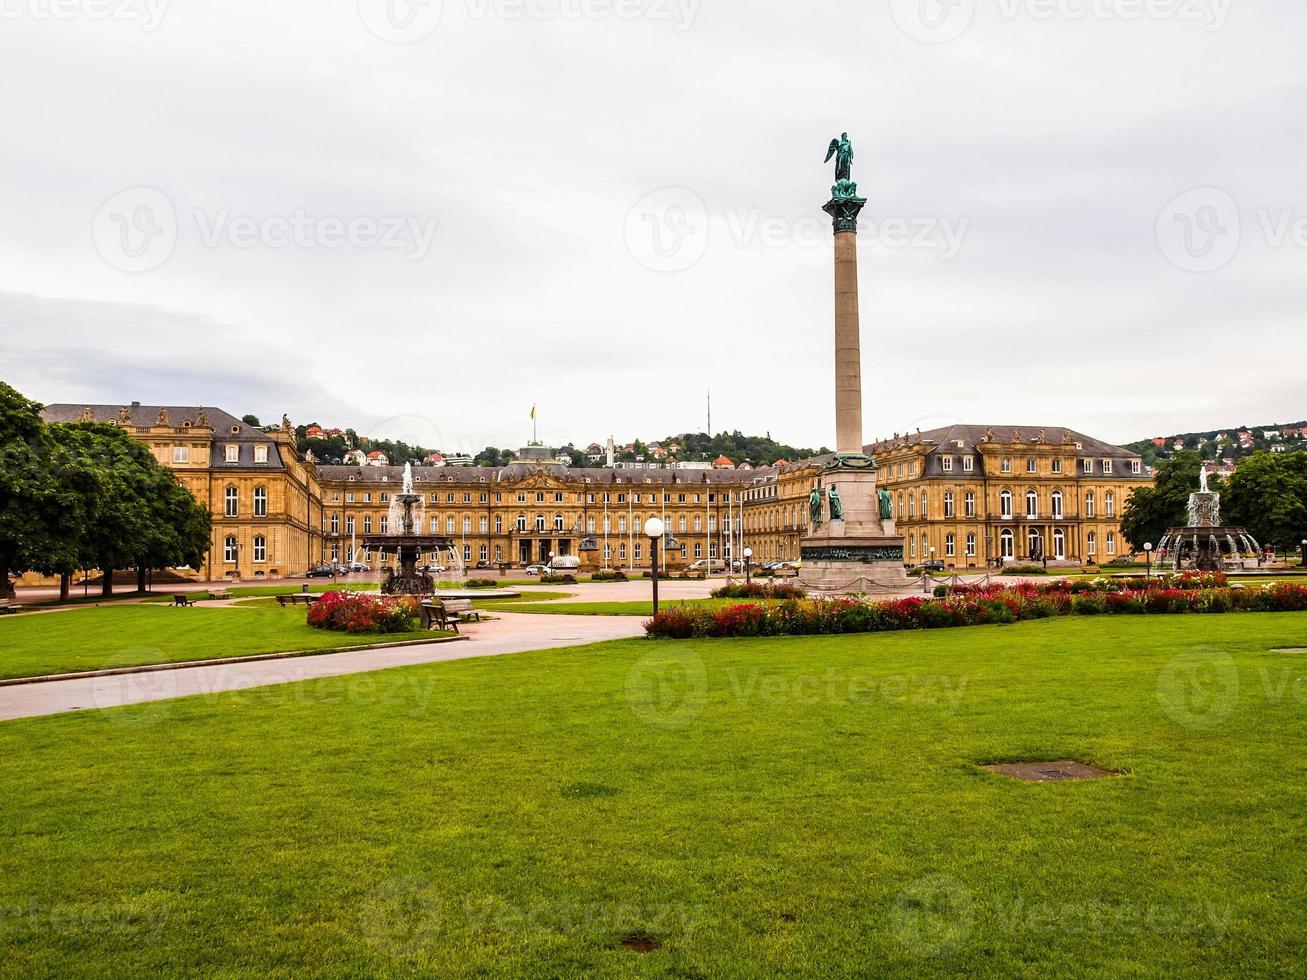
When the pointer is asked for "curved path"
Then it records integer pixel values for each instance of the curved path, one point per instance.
(510, 633)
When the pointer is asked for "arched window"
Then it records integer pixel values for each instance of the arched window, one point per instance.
(1007, 543)
(335, 523)
(925, 546)
(1109, 504)
(558, 522)
(540, 523)
(951, 545)
(260, 548)
(971, 546)
(349, 525)
(1032, 503)
(260, 501)
(900, 505)
(521, 522)
(925, 505)
(969, 502)
(229, 549)
(912, 505)
(1091, 542)
(1059, 544)
(1056, 504)
(1005, 504)
(948, 503)
(1090, 504)
(1035, 543)
(231, 502)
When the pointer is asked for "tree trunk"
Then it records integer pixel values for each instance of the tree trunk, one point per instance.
(140, 578)
(106, 585)
(65, 580)
(5, 591)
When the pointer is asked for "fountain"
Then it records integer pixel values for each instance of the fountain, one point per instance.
(1204, 544)
(405, 542)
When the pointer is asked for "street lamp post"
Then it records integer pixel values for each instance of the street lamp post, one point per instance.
(748, 567)
(653, 530)
(1148, 557)
(1304, 553)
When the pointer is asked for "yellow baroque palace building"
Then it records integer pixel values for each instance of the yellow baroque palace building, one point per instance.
(973, 496)
(964, 495)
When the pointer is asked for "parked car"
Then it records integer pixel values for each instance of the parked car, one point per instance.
(325, 571)
(357, 566)
(707, 566)
(932, 566)
(483, 566)
(537, 570)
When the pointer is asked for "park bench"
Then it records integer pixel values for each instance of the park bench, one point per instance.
(296, 599)
(182, 600)
(219, 596)
(8, 609)
(461, 609)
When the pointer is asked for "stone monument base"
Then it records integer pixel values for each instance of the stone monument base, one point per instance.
(860, 553)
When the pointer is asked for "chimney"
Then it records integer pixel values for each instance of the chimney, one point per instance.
(136, 404)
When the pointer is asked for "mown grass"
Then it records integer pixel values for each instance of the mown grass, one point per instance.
(136, 635)
(635, 608)
(757, 807)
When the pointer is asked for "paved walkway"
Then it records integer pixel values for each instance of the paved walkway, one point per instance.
(514, 633)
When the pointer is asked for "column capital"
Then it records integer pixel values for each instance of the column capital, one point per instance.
(844, 207)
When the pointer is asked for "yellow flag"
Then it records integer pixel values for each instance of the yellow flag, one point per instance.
(533, 411)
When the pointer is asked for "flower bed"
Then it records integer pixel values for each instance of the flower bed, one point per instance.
(349, 613)
(760, 590)
(977, 607)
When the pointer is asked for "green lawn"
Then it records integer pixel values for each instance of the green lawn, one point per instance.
(758, 807)
(135, 635)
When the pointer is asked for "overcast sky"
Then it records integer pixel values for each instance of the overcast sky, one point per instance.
(422, 220)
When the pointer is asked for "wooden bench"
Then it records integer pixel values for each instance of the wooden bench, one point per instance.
(462, 610)
(9, 609)
(219, 596)
(435, 616)
(297, 599)
(182, 600)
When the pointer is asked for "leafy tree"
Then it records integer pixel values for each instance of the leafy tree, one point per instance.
(39, 519)
(252, 420)
(1150, 511)
(1268, 496)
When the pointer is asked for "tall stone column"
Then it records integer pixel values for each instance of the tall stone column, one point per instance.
(844, 209)
(848, 347)
(852, 547)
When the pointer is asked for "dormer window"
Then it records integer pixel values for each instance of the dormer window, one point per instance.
(1089, 466)
(1107, 466)
(946, 464)
(968, 463)
(260, 454)
(1136, 466)
(233, 453)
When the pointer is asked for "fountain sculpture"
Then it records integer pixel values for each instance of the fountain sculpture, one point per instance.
(405, 542)
(1205, 545)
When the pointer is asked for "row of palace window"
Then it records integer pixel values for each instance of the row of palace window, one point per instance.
(907, 505)
(541, 497)
(1007, 544)
(610, 552)
(1005, 466)
(542, 524)
(231, 550)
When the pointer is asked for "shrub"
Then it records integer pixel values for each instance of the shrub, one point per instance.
(482, 583)
(1025, 570)
(558, 580)
(610, 576)
(760, 590)
(350, 613)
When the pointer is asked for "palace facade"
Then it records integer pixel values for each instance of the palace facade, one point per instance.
(964, 495)
(972, 496)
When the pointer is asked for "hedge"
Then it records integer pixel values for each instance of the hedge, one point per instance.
(813, 617)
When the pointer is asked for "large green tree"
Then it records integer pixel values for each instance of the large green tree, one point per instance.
(1268, 496)
(143, 517)
(43, 508)
(1150, 511)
